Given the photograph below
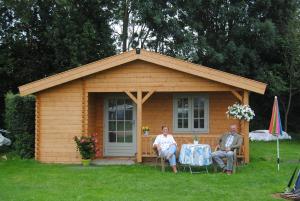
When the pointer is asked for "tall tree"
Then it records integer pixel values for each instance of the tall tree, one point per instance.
(285, 78)
(41, 37)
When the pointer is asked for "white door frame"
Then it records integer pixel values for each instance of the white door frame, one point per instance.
(106, 144)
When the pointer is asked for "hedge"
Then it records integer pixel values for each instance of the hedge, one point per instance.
(19, 120)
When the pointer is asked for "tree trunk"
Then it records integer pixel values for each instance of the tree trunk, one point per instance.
(125, 25)
(288, 108)
(144, 39)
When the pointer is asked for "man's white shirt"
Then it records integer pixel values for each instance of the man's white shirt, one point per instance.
(229, 141)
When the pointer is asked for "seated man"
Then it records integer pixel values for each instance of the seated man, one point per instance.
(166, 147)
(227, 143)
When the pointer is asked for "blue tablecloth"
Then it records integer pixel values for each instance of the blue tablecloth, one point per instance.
(195, 154)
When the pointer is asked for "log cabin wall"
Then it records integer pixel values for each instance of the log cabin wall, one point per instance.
(146, 76)
(99, 122)
(158, 110)
(92, 112)
(95, 118)
(60, 119)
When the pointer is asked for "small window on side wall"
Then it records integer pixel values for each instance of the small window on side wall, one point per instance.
(190, 112)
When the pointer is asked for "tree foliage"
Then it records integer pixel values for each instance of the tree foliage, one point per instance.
(256, 39)
(19, 121)
(39, 38)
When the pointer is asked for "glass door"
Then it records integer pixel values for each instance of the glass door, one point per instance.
(120, 127)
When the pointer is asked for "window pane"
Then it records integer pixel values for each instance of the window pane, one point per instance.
(186, 113)
(120, 104)
(196, 102)
(111, 126)
(128, 125)
(179, 121)
(201, 104)
(120, 125)
(120, 137)
(112, 115)
(179, 103)
(196, 123)
(201, 123)
(185, 102)
(202, 113)
(196, 113)
(128, 105)
(112, 104)
(120, 114)
(112, 136)
(185, 123)
(179, 115)
(128, 115)
(128, 136)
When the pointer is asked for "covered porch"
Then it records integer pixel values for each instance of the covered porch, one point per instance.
(118, 118)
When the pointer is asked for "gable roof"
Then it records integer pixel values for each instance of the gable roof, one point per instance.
(152, 57)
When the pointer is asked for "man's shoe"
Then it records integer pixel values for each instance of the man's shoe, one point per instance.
(229, 172)
(224, 170)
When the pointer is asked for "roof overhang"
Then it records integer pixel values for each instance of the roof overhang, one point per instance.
(151, 57)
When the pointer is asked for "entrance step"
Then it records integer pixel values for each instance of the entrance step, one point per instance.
(113, 162)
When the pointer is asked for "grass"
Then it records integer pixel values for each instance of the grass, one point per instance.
(29, 180)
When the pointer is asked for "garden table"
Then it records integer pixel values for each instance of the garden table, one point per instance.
(195, 155)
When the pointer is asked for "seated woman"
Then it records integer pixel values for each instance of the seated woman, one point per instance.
(166, 147)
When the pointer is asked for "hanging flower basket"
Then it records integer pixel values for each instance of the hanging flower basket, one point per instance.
(241, 112)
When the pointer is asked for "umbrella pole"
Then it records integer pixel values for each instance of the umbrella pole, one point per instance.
(278, 153)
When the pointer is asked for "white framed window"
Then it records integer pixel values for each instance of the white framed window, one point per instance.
(190, 112)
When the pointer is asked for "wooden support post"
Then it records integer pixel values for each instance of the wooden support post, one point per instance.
(139, 125)
(84, 109)
(139, 100)
(245, 128)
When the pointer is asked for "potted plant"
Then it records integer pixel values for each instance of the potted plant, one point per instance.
(146, 130)
(241, 112)
(196, 139)
(86, 147)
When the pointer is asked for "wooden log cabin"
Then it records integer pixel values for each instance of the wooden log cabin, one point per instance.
(116, 96)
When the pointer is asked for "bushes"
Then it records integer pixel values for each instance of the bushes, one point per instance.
(19, 119)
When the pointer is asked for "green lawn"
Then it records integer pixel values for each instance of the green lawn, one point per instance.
(29, 180)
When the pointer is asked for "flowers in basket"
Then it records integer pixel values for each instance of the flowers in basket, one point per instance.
(241, 112)
(86, 146)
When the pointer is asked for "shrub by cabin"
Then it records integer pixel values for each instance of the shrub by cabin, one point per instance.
(116, 96)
